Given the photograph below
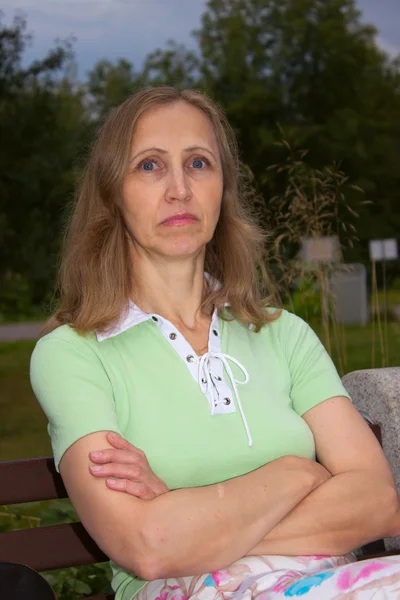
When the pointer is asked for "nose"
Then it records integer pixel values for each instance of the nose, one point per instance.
(178, 187)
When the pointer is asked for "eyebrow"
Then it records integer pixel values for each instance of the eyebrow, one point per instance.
(162, 151)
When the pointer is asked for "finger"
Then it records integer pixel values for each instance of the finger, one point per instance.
(139, 490)
(121, 443)
(130, 472)
(115, 456)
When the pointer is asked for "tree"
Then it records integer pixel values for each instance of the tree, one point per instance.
(314, 68)
(110, 84)
(174, 66)
(41, 128)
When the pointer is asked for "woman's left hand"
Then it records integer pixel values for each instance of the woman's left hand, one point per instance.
(126, 469)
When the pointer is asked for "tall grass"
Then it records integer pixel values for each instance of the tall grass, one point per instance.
(314, 203)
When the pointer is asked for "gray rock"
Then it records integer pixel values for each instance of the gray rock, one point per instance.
(376, 394)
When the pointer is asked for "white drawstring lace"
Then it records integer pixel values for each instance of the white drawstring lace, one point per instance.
(208, 387)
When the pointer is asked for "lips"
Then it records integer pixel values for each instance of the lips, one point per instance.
(180, 219)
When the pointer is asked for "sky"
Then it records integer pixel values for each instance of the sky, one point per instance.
(132, 28)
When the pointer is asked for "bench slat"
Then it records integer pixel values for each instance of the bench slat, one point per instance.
(53, 547)
(30, 480)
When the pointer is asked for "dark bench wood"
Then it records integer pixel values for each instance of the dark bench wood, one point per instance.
(43, 548)
(67, 545)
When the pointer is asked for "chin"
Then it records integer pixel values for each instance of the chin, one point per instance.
(183, 248)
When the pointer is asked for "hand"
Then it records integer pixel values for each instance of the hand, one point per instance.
(126, 469)
(316, 473)
(320, 473)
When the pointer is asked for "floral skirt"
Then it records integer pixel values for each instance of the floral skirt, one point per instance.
(280, 577)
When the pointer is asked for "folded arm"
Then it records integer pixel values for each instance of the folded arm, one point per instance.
(357, 505)
(187, 531)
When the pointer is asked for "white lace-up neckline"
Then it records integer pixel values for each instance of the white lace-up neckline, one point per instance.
(209, 371)
(207, 385)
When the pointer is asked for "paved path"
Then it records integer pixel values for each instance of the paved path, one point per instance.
(20, 331)
(30, 331)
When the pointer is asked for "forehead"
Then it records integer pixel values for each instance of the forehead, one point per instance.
(174, 125)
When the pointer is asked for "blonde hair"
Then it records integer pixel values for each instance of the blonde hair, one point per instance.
(96, 273)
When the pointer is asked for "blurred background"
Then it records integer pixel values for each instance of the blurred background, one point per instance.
(312, 89)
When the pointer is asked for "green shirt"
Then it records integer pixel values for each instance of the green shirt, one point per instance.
(136, 383)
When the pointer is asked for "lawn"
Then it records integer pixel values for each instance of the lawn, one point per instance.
(22, 422)
(23, 425)
(392, 297)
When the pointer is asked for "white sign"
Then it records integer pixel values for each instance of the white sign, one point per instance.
(390, 249)
(320, 249)
(376, 250)
(383, 249)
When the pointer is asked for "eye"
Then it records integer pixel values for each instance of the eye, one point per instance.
(147, 165)
(199, 163)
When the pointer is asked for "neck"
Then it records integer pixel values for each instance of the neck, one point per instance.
(171, 288)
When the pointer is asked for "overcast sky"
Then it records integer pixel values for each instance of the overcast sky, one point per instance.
(133, 28)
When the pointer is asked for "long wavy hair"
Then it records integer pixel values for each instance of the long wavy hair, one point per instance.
(95, 280)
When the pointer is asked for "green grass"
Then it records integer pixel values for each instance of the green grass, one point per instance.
(392, 297)
(358, 347)
(23, 425)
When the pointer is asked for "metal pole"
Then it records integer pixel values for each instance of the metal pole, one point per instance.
(385, 311)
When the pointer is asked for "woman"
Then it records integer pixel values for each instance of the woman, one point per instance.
(163, 337)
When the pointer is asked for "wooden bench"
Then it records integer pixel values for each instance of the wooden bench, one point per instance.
(43, 548)
(66, 545)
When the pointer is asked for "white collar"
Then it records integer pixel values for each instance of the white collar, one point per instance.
(134, 316)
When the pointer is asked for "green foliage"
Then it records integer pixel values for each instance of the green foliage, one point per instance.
(305, 302)
(396, 285)
(16, 297)
(110, 84)
(313, 203)
(13, 518)
(174, 66)
(42, 122)
(85, 581)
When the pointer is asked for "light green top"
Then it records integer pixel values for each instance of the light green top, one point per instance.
(137, 384)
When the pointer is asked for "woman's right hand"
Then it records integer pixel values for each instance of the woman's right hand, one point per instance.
(319, 473)
(126, 469)
(314, 473)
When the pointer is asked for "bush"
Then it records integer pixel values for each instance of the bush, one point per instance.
(306, 302)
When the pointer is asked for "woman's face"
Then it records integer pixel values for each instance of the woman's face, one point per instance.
(172, 193)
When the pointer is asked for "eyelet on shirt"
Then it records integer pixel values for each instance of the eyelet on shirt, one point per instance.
(154, 318)
(172, 336)
(215, 332)
(190, 358)
(227, 401)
